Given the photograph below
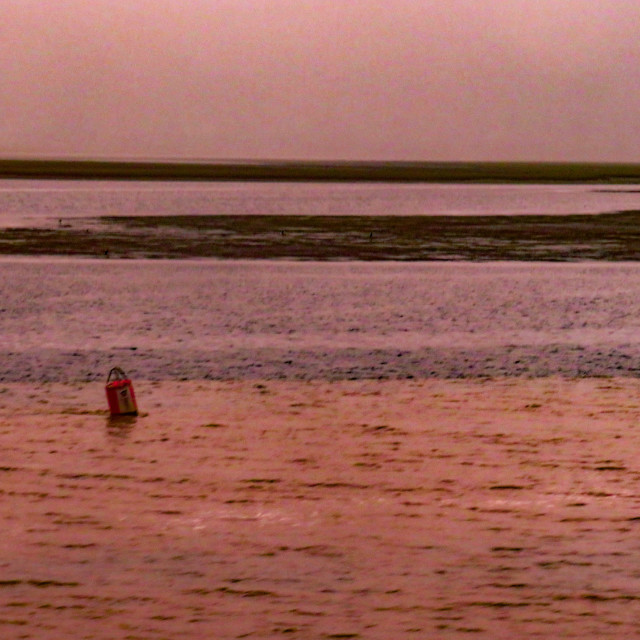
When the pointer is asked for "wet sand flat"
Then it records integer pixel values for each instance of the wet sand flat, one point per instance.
(353, 509)
(65, 320)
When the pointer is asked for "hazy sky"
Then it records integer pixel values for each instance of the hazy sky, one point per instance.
(321, 79)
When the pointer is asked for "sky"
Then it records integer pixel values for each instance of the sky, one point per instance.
(414, 80)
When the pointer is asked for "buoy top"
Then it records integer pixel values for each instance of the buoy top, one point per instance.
(117, 373)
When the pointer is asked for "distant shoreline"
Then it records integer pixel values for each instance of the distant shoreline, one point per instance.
(316, 171)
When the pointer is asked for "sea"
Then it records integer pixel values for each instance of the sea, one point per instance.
(72, 319)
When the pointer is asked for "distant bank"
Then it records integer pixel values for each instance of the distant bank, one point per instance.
(476, 172)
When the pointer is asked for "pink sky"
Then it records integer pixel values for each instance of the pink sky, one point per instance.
(541, 80)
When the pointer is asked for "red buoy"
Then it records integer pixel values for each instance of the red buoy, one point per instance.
(120, 395)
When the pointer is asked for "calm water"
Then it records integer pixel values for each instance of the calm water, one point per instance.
(43, 203)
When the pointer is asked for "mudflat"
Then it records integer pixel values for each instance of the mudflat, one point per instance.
(494, 508)
(609, 237)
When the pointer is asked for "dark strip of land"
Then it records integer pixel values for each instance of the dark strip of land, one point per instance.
(612, 237)
(477, 172)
